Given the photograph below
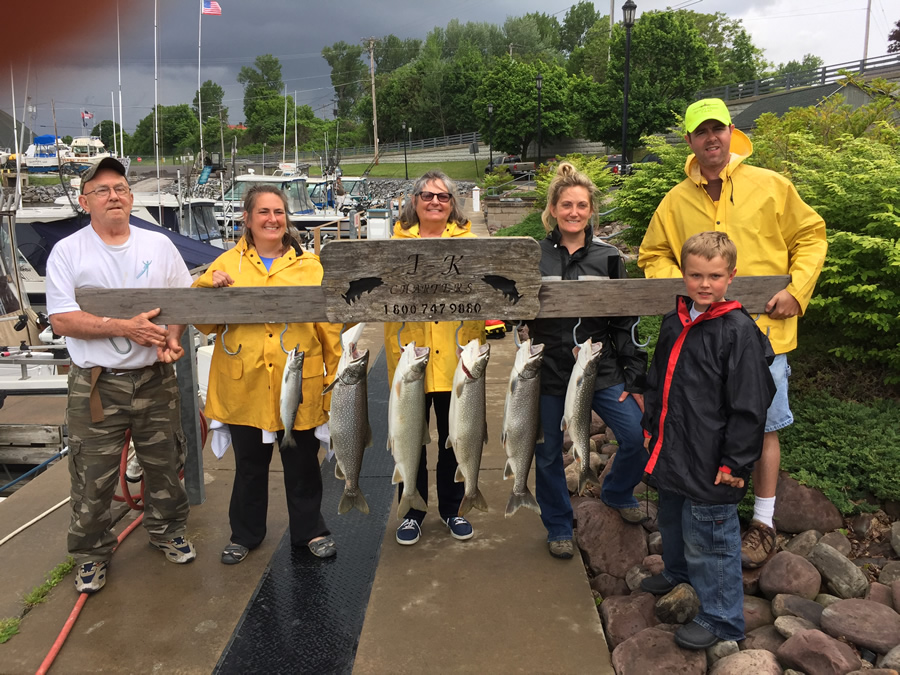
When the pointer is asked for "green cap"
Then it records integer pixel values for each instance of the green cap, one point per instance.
(706, 109)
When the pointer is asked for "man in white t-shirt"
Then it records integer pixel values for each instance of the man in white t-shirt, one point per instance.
(121, 378)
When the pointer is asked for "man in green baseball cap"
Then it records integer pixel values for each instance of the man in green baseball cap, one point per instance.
(775, 233)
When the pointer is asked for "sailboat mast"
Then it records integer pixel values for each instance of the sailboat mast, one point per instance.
(121, 117)
(199, 96)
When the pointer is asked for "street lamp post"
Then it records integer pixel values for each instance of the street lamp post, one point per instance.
(264, 158)
(540, 81)
(405, 165)
(628, 10)
(491, 134)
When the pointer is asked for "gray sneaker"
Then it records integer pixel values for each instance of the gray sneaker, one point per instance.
(134, 472)
(178, 550)
(633, 514)
(563, 549)
(90, 577)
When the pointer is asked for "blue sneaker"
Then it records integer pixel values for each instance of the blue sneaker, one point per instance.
(409, 532)
(460, 528)
(90, 577)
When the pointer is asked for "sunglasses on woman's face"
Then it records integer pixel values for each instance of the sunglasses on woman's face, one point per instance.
(442, 197)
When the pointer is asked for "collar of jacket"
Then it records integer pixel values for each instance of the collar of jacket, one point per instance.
(715, 310)
(556, 237)
(452, 230)
(741, 149)
(244, 249)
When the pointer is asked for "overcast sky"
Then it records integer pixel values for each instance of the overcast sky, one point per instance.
(80, 71)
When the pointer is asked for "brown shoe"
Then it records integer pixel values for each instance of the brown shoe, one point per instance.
(564, 549)
(757, 545)
(633, 514)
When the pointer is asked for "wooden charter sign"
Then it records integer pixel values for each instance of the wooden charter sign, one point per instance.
(432, 279)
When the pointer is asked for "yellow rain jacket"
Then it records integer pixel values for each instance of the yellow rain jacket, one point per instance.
(440, 336)
(246, 388)
(774, 230)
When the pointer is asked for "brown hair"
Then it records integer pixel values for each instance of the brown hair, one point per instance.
(408, 215)
(250, 201)
(567, 176)
(710, 245)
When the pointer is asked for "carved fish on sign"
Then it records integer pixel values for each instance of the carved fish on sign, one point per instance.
(504, 285)
(360, 286)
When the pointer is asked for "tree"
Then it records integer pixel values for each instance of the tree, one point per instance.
(894, 39)
(105, 131)
(669, 64)
(510, 86)
(548, 28)
(738, 58)
(179, 130)
(809, 63)
(261, 80)
(592, 57)
(211, 101)
(391, 52)
(524, 34)
(348, 73)
(578, 20)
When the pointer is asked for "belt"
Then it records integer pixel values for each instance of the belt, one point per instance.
(95, 402)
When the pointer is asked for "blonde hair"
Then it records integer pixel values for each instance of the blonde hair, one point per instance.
(710, 245)
(408, 215)
(567, 176)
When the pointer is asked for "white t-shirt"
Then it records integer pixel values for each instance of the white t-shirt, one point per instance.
(83, 260)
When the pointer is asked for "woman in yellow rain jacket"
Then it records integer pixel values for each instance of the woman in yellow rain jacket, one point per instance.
(434, 211)
(245, 382)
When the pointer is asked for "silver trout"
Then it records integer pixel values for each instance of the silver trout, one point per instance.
(407, 428)
(291, 395)
(577, 412)
(349, 424)
(522, 424)
(468, 422)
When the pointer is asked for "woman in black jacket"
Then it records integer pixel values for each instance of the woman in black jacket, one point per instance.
(571, 252)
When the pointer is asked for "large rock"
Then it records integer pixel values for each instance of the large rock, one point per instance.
(794, 605)
(889, 573)
(862, 524)
(747, 662)
(654, 543)
(826, 599)
(720, 650)
(610, 544)
(635, 575)
(607, 585)
(799, 508)
(679, 605)
(653, 564)
(750, 580)
(789, 573)
(789, 626)
(843, 578)
(803, 543)
(895, 591)
(626, 615)
(891, 659)
(880, 593)
(654, 652)
(839, 542)
(864, 623)
(757, 612)
(765, 637)
(895, 537)
(811, 651)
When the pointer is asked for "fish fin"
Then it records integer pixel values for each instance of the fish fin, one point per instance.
(397, 478)
(512, 385)
(579, 380)
(517, 501)
(330, 387)
(563, 425)
(417, 502)
(398, 387)
(287, 441)
(459, 478)
(540, 435)
(484, 442)
(403, 507)
(339, 472)
(468, 503)
(448, 443)
(508, 470)
(368, 441)
(353, 501)
(587, 475)
(503, 436)
(460, 388)
(426, 435)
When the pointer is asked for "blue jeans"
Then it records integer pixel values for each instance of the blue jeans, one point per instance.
(550, 479)
(702, 547)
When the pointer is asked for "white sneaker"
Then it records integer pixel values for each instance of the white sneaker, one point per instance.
(134, 472)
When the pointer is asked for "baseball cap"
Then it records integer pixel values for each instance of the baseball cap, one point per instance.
(706, 109)
(105, 163)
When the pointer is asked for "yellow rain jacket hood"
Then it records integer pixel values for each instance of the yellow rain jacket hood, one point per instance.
(440, 336)
(246, 388)
(774, 230)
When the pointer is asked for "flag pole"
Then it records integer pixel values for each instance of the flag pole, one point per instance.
(112, 100)
(156, 101)
(199, 101)
(121, 116)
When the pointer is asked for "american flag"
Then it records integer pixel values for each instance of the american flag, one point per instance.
(85, 115)
(211, 7)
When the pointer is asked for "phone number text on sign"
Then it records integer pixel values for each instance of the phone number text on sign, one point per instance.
(452, 308)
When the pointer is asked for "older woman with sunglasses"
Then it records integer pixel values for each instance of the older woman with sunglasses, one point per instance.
(433, 211)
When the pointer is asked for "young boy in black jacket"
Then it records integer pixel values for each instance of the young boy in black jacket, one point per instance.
(705, 411)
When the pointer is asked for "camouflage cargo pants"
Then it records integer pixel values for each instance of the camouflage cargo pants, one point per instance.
(146, 401)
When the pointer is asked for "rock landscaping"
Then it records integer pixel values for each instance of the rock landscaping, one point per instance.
(825, 603)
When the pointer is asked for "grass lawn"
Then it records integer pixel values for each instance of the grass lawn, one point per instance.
(456, 170)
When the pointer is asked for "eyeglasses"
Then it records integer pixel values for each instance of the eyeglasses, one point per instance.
(442, 197)
(103, 191)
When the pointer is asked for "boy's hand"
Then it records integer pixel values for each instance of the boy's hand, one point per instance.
(647, 444)
(728, 479)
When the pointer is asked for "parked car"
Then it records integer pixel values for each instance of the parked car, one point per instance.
(514, 165)
(614, 164)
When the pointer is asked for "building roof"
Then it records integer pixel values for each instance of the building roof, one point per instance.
(7, 136)
(780, 103)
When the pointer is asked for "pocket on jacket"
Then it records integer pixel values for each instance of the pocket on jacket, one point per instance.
(715, 528)
(234, 367)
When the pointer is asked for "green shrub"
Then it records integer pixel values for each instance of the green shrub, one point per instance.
(593, 167)
(531, 226)
(499, 175)
(845, 449)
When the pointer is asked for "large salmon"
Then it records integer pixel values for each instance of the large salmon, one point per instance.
(291, 395)
(407, 428)
(468, 423)
(577, 412)
(522, 423)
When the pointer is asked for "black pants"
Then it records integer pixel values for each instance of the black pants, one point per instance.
(450, 493)
(250, 494)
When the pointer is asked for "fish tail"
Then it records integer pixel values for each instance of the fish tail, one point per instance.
(587, 475)
(468, 503)
(525, 499)
(287, 441)
(353, 500)
(410, 502)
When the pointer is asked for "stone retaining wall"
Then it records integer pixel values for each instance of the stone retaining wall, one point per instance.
(505, 212)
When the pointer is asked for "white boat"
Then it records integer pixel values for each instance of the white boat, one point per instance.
(86, 151)
(41, 156)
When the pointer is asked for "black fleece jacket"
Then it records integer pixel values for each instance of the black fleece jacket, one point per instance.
(620, 361)
(708, 391)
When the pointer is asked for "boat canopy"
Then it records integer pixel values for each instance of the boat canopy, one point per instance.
(46, 139)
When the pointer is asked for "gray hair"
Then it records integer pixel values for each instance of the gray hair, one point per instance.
(408, 215)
